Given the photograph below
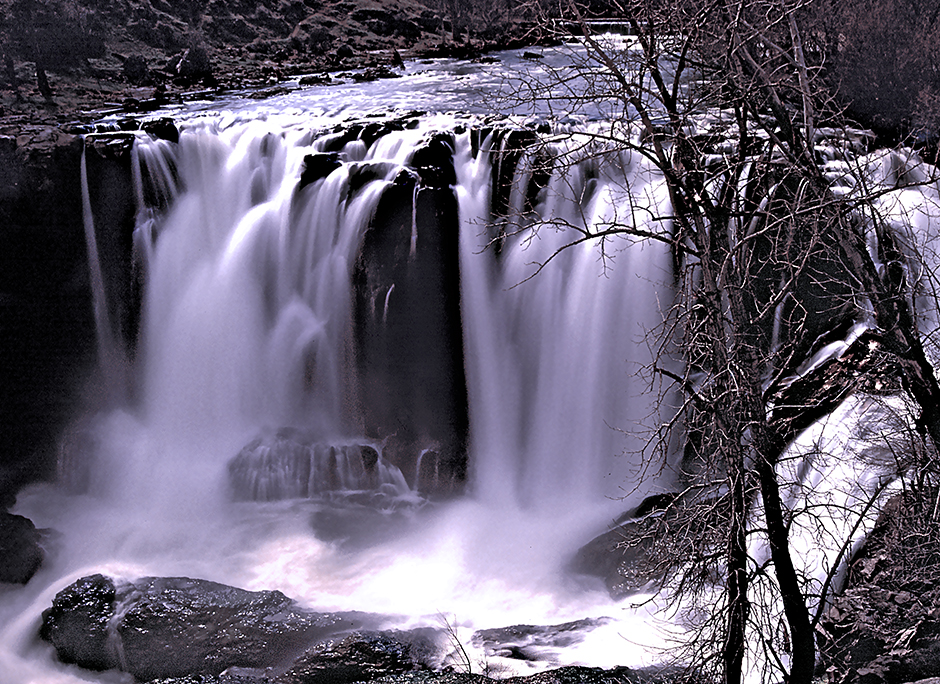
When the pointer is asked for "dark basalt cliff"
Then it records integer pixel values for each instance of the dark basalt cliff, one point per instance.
(47, 329)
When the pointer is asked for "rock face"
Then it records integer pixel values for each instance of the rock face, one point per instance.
(46, 320)
(20, 550)
(408, 334)
(292, 464)
(885, 626)
(625, 557)
(173, 627)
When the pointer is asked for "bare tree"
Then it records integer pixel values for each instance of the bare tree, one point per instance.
(768, 258)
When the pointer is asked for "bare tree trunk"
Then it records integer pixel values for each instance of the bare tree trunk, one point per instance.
(10, 73)
(736, 591)
(43, 81)
(455, 21)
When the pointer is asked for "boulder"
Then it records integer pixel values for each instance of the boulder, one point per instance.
(362, 656)
(77, 623)
(163, 128)
(626, 556)
(174, 627)
(20, 550)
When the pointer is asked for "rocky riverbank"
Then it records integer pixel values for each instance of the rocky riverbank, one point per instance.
(125, 53)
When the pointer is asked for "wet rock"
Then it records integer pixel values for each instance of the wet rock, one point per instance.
(47, 335)
(292, 464)
(624, 556)
(361, 657)
(162, 129)
(533, 642)
(434, 161)
(375, 73)
(77, 623)
(315, 80)
(174, 627)
(408, 334)
(317, 166)
(576, 674)
(20, 552)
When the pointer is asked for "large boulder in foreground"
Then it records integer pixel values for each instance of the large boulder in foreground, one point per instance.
(173, 627)
(77, 623)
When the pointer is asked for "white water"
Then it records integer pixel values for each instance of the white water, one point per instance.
(246, 284)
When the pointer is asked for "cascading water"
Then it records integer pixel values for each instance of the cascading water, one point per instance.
(558, 355)
(249, 328)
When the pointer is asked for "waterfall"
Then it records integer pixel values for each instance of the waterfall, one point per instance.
(111, 360)
(561, 396)
(251, 317)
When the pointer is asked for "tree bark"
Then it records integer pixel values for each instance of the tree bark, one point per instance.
(43, 82)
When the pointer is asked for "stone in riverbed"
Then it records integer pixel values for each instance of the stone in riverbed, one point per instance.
(77, 622)
(363, 656)
(174, 627)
